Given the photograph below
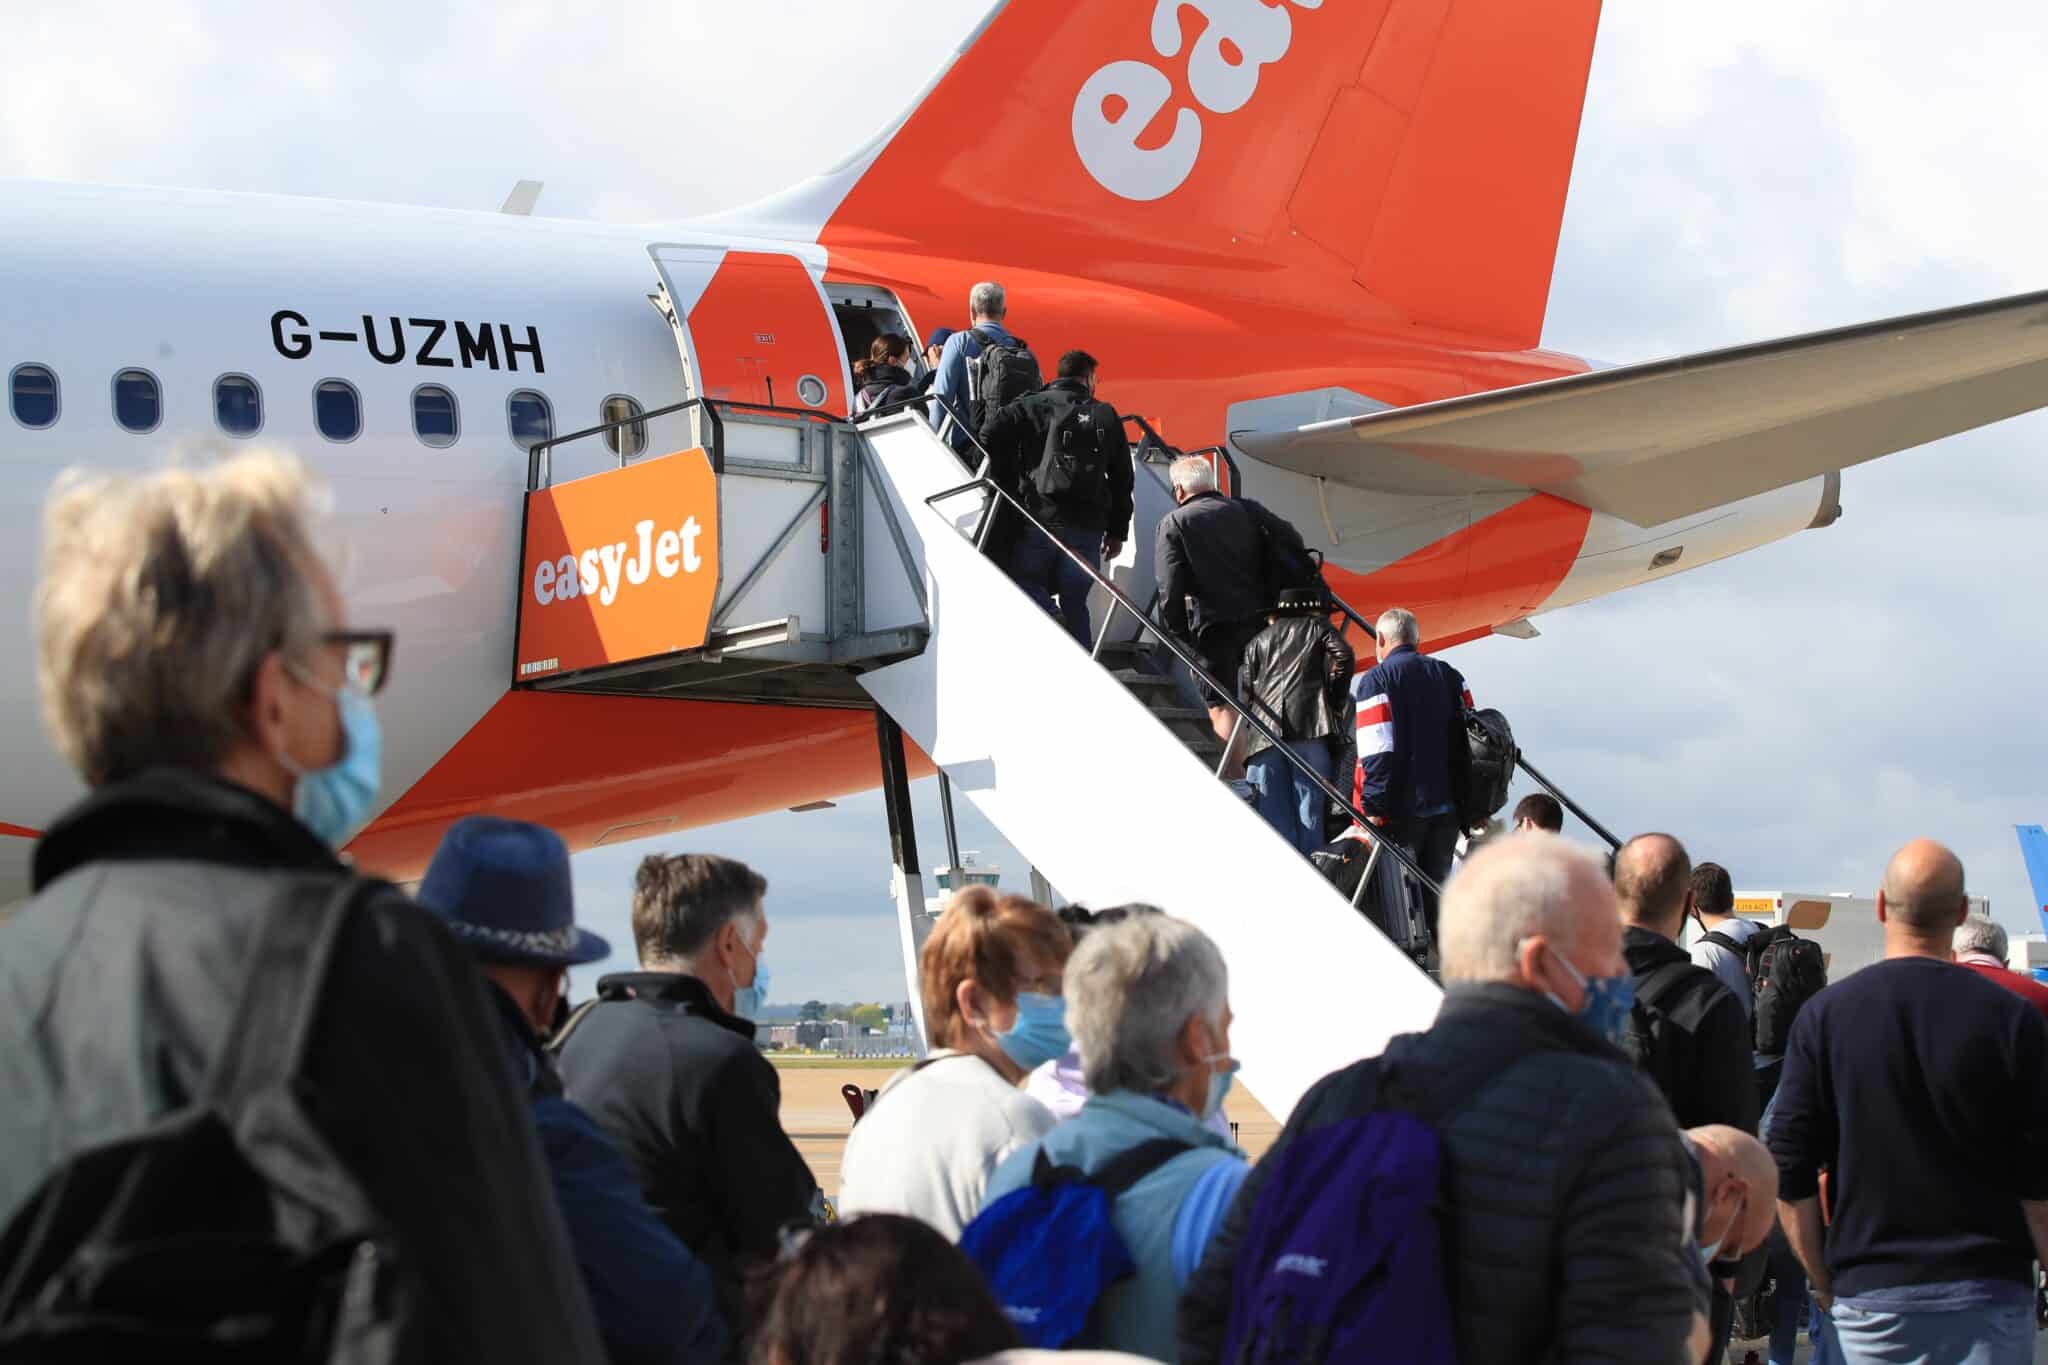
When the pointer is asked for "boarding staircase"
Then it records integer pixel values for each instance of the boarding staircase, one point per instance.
(838, 565)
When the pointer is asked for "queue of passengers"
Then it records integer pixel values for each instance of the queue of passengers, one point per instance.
(260, 1105)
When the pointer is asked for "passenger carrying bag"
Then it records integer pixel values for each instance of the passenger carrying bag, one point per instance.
(1343, 1258)
(1002, 372)
(1785, 971)
(1073, 471)
(1494, 752)
(1651, 1040)
(1286, 564)
(1049, 1250)
(227, 1230)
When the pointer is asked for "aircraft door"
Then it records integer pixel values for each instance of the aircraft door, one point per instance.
(752, 327)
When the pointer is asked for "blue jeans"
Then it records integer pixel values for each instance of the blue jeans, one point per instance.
(1288, 800)
(1044, 573)
(1999, 1335)
(1792, 1302)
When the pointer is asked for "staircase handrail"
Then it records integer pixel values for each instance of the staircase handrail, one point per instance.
(1180, 651)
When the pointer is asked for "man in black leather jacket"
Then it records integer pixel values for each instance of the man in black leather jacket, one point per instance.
(1296, 677)
(1564, 1180)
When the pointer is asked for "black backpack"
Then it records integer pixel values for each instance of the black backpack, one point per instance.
(227, 1230)
(1073, 472)
(1286, 564)
(1650, 1037)
(1785, 971)
(1003, 372)
(1485, 788)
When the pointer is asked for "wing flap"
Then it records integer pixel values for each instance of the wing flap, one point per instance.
(1653, 443)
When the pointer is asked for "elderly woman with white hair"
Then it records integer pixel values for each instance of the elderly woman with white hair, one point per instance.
(1148, 1002)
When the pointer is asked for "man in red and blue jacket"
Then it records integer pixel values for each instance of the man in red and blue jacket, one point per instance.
(1413, 757)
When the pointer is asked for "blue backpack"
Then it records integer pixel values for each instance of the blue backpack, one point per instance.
(1342, 1258)
(1049, 1250)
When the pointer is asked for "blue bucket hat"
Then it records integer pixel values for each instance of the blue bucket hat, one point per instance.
(502, 886)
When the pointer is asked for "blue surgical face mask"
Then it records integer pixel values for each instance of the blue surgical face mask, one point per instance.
(1040, 1033)
(334, 802)
(747, 999)
(1607, 1001)
(1219, 1083)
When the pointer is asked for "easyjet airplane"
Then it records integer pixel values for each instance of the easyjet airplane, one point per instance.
(1320, 231)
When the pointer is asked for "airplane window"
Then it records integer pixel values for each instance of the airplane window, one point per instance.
(237, 404)
(434, 417)
(626, 441)
(337, 410)
(33, 392)
(138, 401)
(533, 421)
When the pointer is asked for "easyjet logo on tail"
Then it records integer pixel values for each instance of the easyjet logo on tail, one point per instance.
(1119, 101)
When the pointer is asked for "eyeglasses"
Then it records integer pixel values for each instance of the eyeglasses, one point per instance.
(365, 658)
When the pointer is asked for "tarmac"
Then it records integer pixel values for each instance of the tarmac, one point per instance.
(817, 1119)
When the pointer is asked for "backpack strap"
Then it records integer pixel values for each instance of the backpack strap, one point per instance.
(1118, 1174)
(576, 1017)
(1716, 936)
(1658, 982)
(282, 985)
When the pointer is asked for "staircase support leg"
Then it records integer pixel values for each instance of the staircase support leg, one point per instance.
(952, 834)
(906, 884)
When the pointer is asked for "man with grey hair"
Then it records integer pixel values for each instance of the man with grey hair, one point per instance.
(1981, 945)
(1148, 1004)
(1208, 557)
(1414, 761)
(1564, 1178)
(1912, 1122)
(981, 367)
(199, 670)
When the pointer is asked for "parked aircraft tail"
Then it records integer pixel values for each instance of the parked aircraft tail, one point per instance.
(2034, 850)
(1421, 148)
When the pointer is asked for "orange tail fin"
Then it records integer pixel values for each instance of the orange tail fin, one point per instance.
(1421, 148)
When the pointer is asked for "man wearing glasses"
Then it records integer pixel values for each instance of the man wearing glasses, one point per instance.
(198, 671)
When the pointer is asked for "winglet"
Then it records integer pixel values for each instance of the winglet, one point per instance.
(524, 196)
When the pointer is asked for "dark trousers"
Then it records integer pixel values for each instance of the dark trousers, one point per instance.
(1432, 843)
(1045, 573)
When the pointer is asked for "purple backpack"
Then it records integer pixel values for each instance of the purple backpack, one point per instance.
(1343, 1256)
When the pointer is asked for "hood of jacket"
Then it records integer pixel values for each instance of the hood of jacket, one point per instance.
(173, 813)
(1647, 950)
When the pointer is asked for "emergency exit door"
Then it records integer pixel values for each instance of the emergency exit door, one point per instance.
(753, 327)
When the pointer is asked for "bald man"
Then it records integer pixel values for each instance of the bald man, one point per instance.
(1918, 1085)
(1690, 1032)
(1565, 1181)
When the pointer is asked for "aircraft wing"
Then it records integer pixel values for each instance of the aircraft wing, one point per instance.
(1652, 443)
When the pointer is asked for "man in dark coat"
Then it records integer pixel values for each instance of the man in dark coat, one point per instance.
(1564, 1182)
(1209, 558)
(199, 673)
(665, 1060)
(1413, 758)
(1296, 678)
(504, 889)
(1092, 516)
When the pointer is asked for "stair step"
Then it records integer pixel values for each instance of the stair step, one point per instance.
(1133, 679)
(1169, 714)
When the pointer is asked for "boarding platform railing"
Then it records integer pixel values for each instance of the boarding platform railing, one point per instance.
(1120, 601)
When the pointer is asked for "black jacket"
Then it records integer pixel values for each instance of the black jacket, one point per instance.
(1413, 758)
(679, 1086)
(883, 384)
(1014, 436)
(1209, 557)
(1297, 675)
(1708, 1070)
(117, 982)
(1564, 1182)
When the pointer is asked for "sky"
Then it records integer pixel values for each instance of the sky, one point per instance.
(1746, 170)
